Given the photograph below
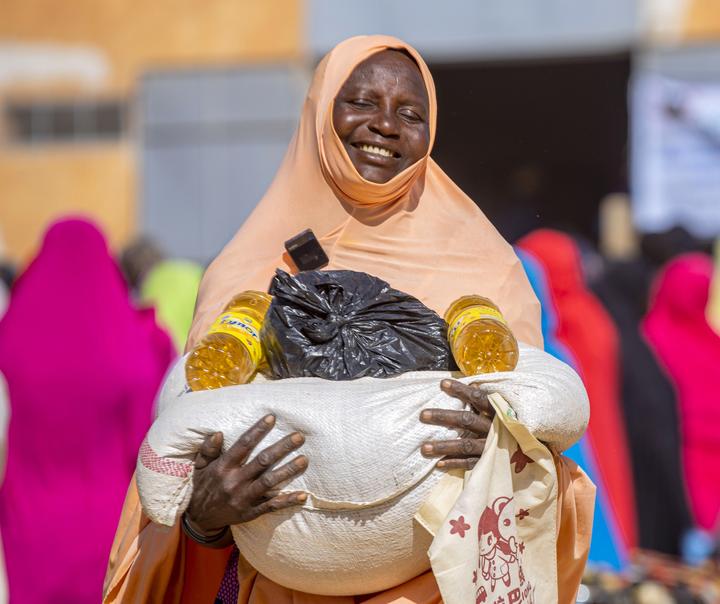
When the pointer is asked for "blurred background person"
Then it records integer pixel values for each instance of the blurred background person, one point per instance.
(137, 259)
(168, 285)
(649, 403)
(171, 287)
(687, 346)
(82, 367)
(585, 330)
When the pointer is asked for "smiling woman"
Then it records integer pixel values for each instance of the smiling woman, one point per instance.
(381, 115)
(358, 172)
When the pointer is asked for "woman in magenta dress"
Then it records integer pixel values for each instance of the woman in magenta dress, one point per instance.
(688, 347)
(82, 367)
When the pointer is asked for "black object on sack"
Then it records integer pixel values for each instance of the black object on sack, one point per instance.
(342, 325)
(306, 251)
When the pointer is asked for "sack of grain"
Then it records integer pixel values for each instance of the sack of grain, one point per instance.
(366, 479)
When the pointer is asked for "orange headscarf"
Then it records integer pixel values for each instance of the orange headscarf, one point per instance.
(418, 231)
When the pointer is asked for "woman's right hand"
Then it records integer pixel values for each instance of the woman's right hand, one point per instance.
(228, 490)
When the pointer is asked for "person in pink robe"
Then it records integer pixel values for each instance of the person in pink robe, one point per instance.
(689, 349)
(82, 367)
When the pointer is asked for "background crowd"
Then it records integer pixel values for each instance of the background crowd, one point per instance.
(132, 145)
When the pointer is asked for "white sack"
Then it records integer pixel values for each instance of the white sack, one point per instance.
(366, 479)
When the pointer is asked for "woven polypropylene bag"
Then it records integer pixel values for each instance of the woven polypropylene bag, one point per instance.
(366, 477)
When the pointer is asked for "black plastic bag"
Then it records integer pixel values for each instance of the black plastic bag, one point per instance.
(342, 325)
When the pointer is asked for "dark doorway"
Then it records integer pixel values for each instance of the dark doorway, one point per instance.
(535, 143)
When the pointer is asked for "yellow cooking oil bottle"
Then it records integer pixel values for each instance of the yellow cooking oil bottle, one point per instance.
(479, 336)
(230, 353)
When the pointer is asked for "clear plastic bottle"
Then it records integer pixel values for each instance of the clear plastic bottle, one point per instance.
(479, 337)
(230, 353)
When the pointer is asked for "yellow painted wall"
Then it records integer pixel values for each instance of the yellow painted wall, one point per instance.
(37, 184)
(702, 22)
(135, 35)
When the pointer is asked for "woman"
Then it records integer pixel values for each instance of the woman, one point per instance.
(171, 287)
(689, 349)
(358, 172)
(587, 330)
(82, 368)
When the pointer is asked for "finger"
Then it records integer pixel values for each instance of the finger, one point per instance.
(209, 450)
(267, 458)
(272, 493)
(479, 400)
(270, 479)
(463, 463)
(280, 502)
(469, 394)
(240, 450)
(460, 447)
(463, 421)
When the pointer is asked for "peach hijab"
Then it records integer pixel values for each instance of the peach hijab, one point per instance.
(418, 231)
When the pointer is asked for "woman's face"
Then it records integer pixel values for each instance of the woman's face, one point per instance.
(381, 115)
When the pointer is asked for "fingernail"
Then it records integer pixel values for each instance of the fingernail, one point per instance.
(297, 438)
(440, 464)
(302, 497)
(427, 449)
(446, 383)
(300, 462)
(426, 416)
(269, 419)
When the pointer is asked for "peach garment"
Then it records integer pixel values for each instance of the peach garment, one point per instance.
(576, 505)
(418, 231)
(159, 565)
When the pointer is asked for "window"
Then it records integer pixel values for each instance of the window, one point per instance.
(65, 122)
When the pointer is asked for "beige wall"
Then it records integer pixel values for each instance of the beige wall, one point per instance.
(39, 183)
(38, 186)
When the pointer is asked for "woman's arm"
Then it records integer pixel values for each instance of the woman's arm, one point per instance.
(547, 395)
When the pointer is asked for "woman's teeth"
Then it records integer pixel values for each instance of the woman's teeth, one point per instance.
(376, 150)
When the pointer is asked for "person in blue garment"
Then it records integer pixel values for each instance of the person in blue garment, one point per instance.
(606, 547)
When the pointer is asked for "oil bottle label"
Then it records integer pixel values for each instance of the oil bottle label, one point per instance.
(474, 313)
(244, 328)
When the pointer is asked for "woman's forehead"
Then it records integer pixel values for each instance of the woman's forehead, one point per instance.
(391, 65)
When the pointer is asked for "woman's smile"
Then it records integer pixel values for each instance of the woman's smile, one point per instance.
(376, 150)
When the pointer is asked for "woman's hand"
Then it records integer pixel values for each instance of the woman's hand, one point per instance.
(228, 490)
(463, 452)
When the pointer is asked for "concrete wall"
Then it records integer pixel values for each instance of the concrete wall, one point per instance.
(462, 30)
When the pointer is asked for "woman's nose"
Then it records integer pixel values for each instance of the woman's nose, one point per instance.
(385, 123)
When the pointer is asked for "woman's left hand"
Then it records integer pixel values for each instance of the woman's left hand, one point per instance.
(463, 452)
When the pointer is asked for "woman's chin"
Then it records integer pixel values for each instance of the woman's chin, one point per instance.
(376, 174)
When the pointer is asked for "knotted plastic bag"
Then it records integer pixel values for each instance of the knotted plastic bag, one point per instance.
(343, 325)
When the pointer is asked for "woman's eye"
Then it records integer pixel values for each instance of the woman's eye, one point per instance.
(410, 115)
(362, 103)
